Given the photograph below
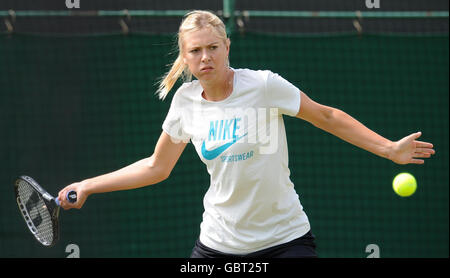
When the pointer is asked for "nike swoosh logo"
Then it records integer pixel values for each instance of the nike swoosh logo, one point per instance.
(211, 154)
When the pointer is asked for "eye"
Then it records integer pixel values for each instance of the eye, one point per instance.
(195, 50)
(212, 47)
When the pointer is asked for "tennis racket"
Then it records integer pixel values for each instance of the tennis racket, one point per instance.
(39, 209)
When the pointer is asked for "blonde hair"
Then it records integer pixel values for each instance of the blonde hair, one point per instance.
(192, 21)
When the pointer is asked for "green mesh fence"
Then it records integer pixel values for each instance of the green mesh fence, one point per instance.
(76, 107)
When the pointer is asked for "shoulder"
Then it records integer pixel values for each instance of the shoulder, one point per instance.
(188, 88)
(251, 80)
(187, 91)
(254, 75)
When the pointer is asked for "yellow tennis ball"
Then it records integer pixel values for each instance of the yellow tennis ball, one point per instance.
(404, 184)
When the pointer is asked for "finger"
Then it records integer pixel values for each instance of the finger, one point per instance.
(417, 161)
(421, 144)
(66, 205)
(424, 155)
(424, 150)
(416, 135)
(62, 199)
(60, 195)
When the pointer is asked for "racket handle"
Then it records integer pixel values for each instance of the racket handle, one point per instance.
(71, 196)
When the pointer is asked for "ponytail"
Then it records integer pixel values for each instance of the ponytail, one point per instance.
(178, 70)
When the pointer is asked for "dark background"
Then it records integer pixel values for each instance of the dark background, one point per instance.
(77, 100)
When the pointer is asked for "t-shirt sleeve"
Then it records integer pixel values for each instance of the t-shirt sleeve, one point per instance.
(282, 94)
(173, 124)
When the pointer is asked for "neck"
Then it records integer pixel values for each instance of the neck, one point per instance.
(219, 88)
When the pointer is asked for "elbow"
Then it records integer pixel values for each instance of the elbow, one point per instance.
(164, 175)
(326, 117)
(160, 173)
(328, 114)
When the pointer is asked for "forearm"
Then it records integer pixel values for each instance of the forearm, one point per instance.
(352, 131)
(138, 174)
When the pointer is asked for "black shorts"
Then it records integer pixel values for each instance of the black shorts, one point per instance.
(302, 247)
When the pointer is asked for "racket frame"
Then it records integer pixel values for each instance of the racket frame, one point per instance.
(50, 203)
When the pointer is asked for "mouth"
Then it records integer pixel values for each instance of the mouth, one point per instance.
(206, 69)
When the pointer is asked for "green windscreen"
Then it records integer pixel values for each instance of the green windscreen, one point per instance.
(74, 107)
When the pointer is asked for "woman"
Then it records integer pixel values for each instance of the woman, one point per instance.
(234, 119)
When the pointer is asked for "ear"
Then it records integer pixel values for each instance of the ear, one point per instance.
(228, 44)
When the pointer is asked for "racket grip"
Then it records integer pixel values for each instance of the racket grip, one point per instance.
(71, 196)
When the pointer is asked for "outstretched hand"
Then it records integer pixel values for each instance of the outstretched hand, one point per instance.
(81, 196)
(409, 150)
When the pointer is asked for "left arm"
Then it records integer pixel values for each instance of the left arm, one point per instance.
(342, 125)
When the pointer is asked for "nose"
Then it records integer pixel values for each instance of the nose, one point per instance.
(205, 56)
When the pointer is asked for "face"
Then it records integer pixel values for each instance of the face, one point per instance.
(205, 53)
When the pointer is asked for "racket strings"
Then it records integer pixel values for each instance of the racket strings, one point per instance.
(35, 213)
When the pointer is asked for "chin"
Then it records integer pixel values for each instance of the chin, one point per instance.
(206, 75)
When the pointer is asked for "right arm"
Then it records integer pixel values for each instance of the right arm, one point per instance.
(147, 171)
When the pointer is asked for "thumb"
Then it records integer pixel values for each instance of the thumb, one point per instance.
(415, 135)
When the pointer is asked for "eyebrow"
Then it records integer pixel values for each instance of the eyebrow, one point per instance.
(197, 46)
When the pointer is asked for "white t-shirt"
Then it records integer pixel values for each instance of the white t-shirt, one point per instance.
(251, 203)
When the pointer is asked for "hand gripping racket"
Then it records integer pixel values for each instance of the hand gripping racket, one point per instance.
(39, 209)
